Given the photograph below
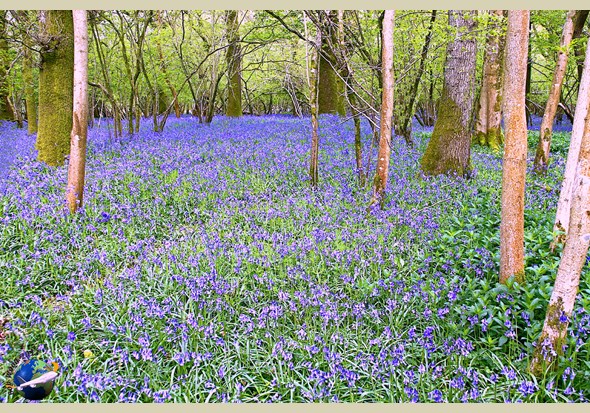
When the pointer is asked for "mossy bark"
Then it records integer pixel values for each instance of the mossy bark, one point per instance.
(448, 151)
(5, 108)
(56, 80)
(488, 130)
(30, 99)
(233, 58)
(330, 86)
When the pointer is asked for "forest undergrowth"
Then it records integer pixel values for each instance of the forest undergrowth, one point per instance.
(203, 267)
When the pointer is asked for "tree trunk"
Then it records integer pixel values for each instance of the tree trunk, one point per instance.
(380, 181)
(561, 304)
(314, 81)
(515, 151)
(404, 125)
(30, 101)
(542, 155)
(330, 86)
(77, 164)
(6, 112)
(233, 58)
(579, 21)
(56, 90)
(449, 148)
(488, 129)
(562, 216)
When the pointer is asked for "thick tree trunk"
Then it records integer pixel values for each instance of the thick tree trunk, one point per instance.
(234, 63)
(30, 101)
(165, 70)
(542, 155)
(562, 216)
(56, 90)
(381, 174)
(330, 87)
(561, 304)
(488, 129)
(515, 151)
(449, 148)
(77, 164)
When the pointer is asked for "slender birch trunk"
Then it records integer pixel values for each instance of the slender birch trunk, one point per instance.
(77, 165)
(553, 338)
(542, 155)
(380, 181)
(562, 216)
(515, 150)
(314, 82)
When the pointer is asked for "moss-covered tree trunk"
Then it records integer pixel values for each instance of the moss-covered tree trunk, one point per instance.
(29, 86)
(562, 216)
(77, 164)
(561, 304)
(488, 129)
(381, 174)
(330, 86)
(6, 112)
(234, 63)
(449, 148)
(515, 150)
(56, 80)
(546, 130)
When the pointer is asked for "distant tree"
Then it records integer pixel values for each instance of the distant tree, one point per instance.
(403, 118)
(56, 87)
(380, 181)
(515, 150)
(488, 128)
(449, 148)
(6, 112)
(234, 59)
(564, 205)
(561, 304)
(77, 163)
(542, 155)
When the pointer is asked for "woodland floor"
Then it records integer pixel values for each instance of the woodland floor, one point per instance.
(204, 268)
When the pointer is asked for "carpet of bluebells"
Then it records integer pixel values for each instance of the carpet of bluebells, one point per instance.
(204, 268)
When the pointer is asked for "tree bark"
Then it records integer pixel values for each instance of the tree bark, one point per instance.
(6, 112)
(562, 216)
(330, 86)
(579, 21)
(234, 63)
(56, 90)
(449, 148)
(29, 86)
(542, 155)
(515, 151)
(488, 129)
(77, 164)
(381, 174)
(314, 82)
(561, 304)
